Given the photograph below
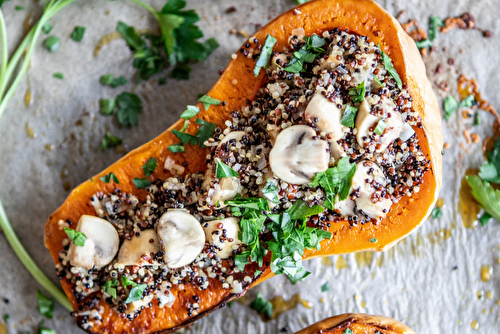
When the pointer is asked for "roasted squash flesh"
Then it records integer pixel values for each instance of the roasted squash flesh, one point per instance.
(235, 87)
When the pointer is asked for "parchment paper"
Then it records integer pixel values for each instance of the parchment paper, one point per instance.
(430, 281)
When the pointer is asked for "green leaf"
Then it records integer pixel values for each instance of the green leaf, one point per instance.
(468, 102)
(488, 197)
(18, 7)
(205, 132)
(184, 127)
(136, 293)
(485, 218)
(336, 180)
(325, 287)
(423, 44)
(180, 72)
(373, 240)
(43, 330)
(176, 148)
(265, 55)
(489, 172)
(47, 27)
(185, 138)
(109, 80)
(109, 141)
(390, 69)
(300, 2)
(110, 287)
(222, 170)
(131, 37)
(270, 191)
(78, 238)
(141, 183)
(348, 116)
(301, 210)
(107, 106)
(208, 101)
(358, 93)
(378, 81)
(190, 112)
(379, 129)
(109, 177)
(240, 260)
(45, 304)
(129, 106)
(262, 306)
(6, 318)
(127, 282)
(436, 213)
(58, 75)
(450, 105)
(477, 119)
(52, 43)
(77, 34)
(253, 203)
(434, 23)
(348, 331)
(149, 167)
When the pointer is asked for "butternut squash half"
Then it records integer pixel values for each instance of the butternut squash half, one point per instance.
(236, 86)
(358, 324)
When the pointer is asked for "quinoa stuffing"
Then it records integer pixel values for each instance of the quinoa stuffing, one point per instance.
(329, 137)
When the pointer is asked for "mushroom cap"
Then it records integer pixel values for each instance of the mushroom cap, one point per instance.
(100, 246)
(215, 236)
(137, 250)
(181, 236)
(296, 157)
(225, 190)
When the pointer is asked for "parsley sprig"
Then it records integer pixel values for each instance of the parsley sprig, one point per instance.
(306, 54)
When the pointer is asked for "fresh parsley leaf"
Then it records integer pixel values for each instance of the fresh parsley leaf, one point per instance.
(77, 34)
(6, 318)
(185, 138)
(127, 281)
(42, 330)
(208, 101)
(484, 193)
(47, 27)
(265, 54)
(45, 305)
(253, 203)
(468, 102)
(436, 213)
(450, 105)
(348, 331)
(180, 72)
(58, 75)
(358, 93)
(136, 293)
(240, 260)
(348, 116)
(306, 53)
(489, 172)
(485, 218)
(110, 287)
(52, 43)
(141, 183)
(262, 306)
(390, 69)
(300, 2)
(18, 7)
(109, 141)
(379, 129)
(373, 240)
(222, 170)
(325, 287)
(315, 43)
(477, 119)
(176, 148)
(257, 273)
(149, 167)
(426, 43)
(205, 132)
(109, 177)
(78, 238)
(270, 191)
(131, 37)
(107, 106)
(378, 81)
(108, 79)
(434, 23)
(301, 210)
(190, 112)
(129, 106)
(336, 181)
(184, 127)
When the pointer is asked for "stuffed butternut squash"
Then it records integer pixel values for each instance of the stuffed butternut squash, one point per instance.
(357, 324)
(321, 137)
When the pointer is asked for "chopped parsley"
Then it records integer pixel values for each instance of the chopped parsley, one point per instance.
(52, 43)
(149, 167)
(109, 177)
(434, 23)
(262, 306)
(190, 112)
(107, 106)
(136, 293)
(379, 129)
(208, 101)
(358, 94)
(378, 81)
(42, 330)
(141, 183)
(47, 27)
(19, 8)
(436, 213)
(109, 80)
(325, 287)
(301, 210)
(204, 133)
(468, 102)
(110, 287)
(487, 197)
(390, 69)
(348, 116)
(373, 240)
(485, 218)
(450, 105)
(222, 170)
(128, 108)
(348, 331)
(109, 141)
(176, 148)
(45, 305)
(423, 44)
(77, 34)
(306, 53)
(127, 281)
(265, 55)
(78, 238)
(300, 2)
(58, 75)
(477, 119)
(6, 318)
(270, 191)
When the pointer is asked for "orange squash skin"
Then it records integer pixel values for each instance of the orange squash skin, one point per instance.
(236, 86)
(358, 323)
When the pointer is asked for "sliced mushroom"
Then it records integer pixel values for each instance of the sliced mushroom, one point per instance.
(237, 135)
(298, 155)
(366, 122)
(100, 246)
(366, 173)
(181, 237)
(326, 115)
(223, 234)
(225, 190)
(139, 250)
